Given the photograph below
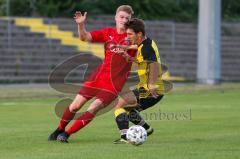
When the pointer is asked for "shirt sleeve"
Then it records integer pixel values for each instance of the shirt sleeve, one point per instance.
(148, 53)
(99, 35)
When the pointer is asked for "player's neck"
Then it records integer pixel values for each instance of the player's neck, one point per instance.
(121, 30)
(141, 40)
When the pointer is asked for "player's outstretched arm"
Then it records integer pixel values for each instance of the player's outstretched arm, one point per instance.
(132, 47)
(122, 50)
(84, 35)
(126, 47)
(153, 76)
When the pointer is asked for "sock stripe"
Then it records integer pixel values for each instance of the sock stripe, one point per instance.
(119, 111)
(81, 122)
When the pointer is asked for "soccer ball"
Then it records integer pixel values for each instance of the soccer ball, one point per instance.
(136, 135)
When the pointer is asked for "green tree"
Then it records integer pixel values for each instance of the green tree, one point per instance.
(20, 8)
(2, 8)
(55, 8)
(177, 10)
(231, 10)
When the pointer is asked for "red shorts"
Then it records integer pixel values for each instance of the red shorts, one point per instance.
(89, 91)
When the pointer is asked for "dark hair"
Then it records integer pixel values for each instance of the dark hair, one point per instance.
(137, 25)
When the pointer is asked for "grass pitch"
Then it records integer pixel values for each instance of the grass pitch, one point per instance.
(190, 122)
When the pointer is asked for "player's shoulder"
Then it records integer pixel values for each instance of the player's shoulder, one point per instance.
(147, 45)
(147, 42)
(106, 30)
(149, 50)
(110, 29)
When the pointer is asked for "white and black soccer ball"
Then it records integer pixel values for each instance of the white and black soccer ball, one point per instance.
(136, 135)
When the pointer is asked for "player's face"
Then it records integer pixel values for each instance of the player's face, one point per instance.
(132, 36)
(121, 18)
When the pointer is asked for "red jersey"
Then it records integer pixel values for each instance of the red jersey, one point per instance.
(112, 74)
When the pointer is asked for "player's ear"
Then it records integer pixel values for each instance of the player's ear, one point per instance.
(139, 34)
(116, 15)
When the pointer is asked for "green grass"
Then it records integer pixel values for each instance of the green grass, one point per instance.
(212, 130)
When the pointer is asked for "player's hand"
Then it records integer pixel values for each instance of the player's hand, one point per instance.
(122, 50)
(79, 18)
(128, 57)
(128, 47)
(124, 54)
(153, 90)
(119, 47)
(132, 47)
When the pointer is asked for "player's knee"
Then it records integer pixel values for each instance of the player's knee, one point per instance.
(78, 102)
(96, 106)
(121, 103)
(74, 107)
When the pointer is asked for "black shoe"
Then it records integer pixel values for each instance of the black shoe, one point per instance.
(120, 141)
(149, 131)
(54, 135)
(63, 137)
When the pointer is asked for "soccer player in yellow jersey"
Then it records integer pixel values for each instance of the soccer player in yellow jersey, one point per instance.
(149, 90)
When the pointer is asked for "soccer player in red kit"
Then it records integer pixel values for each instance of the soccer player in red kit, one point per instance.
(106, 82)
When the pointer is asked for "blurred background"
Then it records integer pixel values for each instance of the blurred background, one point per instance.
(37, 35)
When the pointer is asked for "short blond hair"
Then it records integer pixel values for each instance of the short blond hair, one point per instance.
(125, 8)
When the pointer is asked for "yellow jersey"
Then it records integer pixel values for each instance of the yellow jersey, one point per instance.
(147, 53)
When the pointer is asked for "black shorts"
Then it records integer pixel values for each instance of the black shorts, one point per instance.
(144, 103)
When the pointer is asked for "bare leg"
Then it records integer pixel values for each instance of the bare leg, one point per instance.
(127, 100)
(95, 106)
(77, 103)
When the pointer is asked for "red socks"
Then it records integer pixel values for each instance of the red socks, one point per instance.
(66, 118)
(82, 121)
